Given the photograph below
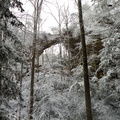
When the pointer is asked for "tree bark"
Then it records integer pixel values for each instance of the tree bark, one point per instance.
(68, 41)
(0, 79)
(37, 11)
(20, 95)
(37, 58)
(85, 65)
(32, 72)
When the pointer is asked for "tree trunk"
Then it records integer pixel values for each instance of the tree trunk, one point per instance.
(68, 41)
(20, 96)
(37, 11)
(85, 65)
(37, 58)
(1, 40)
(0, 79)
(32, 72)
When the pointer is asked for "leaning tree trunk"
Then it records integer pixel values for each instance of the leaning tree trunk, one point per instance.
(85, 65)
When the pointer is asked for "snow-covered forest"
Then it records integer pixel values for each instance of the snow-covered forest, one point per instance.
(59, 60)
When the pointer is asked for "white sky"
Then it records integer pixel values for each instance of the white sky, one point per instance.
(49, 20)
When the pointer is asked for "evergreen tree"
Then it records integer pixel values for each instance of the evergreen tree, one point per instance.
(108, 82)
(8, 87)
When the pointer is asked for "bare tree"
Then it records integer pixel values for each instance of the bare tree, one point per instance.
(37, 11)
(66, 15)
(59, 19)
(85, 65)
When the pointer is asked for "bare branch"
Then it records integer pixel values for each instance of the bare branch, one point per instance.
(32, 3)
